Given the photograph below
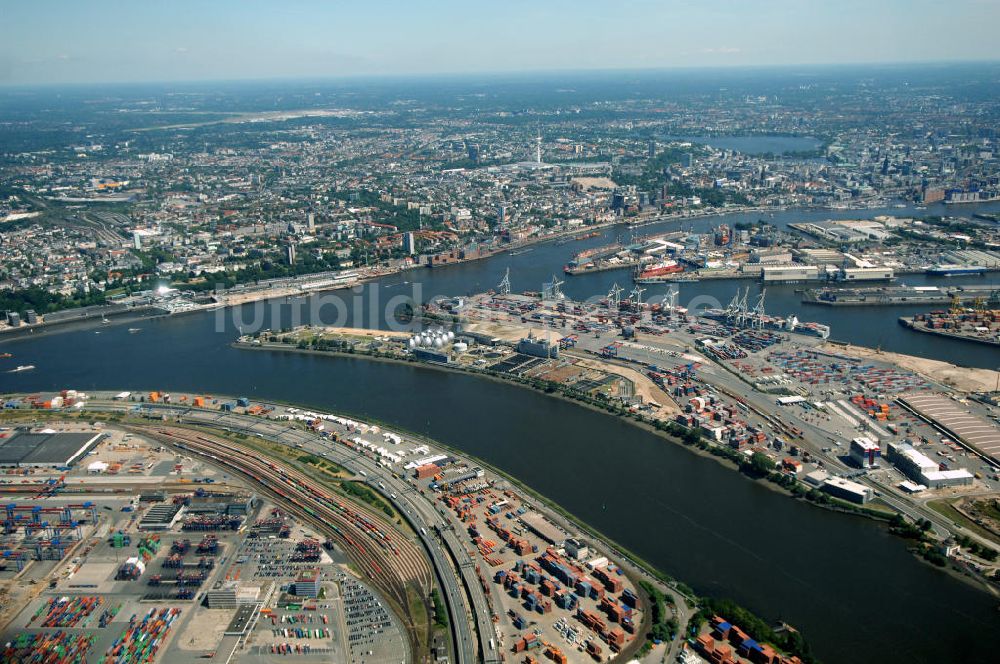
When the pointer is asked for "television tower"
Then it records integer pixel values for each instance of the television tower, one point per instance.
(538, 147)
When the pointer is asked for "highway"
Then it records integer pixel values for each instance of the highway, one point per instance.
(418, 510)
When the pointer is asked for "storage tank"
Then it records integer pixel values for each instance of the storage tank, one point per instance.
(412, 343)
(451, 335)
(461, 347)
(438, 343)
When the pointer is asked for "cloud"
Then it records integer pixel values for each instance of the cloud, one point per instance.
(181, 49)
(723, 50)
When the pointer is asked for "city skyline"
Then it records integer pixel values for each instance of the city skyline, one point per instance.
(111, 42)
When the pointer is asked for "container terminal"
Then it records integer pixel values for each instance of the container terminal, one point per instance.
(977, 324)
(748, 385)
(189, 527)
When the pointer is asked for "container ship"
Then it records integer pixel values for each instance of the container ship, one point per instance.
(955, 270)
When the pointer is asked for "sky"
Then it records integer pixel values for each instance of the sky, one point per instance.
(92, 41)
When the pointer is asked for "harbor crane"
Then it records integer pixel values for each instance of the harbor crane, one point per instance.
(636, 297)
(615, 297)
(551, 290)
(504, 287)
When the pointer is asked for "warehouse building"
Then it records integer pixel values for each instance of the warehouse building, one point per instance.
(923, 470)
(945, 414)
(772, 273)
(45, 449)
(544, 528)
(161, 517)
(866, 273)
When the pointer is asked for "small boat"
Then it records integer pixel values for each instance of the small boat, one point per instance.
(23, 367)
(133, 330)
(4, 356)
(104, 320)
(518, 253)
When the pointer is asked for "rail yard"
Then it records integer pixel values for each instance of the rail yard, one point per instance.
(229, 542)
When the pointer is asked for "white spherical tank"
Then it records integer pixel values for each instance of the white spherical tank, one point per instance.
(412, 343)
(451, 335)
(438, 343)
(461, 347)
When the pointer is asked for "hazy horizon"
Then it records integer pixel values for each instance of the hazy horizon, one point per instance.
(109, 41)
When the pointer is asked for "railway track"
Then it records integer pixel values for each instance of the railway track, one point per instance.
(388, 559)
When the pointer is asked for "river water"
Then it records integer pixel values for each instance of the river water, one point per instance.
(854, 591)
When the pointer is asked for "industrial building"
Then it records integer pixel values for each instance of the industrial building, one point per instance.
(847, 490)
(772, 273)
(43, 449)
(307, 583)
(228, 504)
(923, 470)
(866, 274)
(431, 355)
(229, 595)
(535, 347)
(576, 549)
(161, 517)
(865, 452)
(544, 528)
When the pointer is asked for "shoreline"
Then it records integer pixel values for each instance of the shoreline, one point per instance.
(702, 449)
(640, 422)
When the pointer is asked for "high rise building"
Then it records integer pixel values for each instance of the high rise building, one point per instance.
(136, 240)
(311, 222)
(502, 211)
(473, 150)
(290, 252)
(651, 149)
(410, 243)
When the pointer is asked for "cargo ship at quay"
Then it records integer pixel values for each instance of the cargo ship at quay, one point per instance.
(902, 295)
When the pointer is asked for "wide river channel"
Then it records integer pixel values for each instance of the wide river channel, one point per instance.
(852, 589)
